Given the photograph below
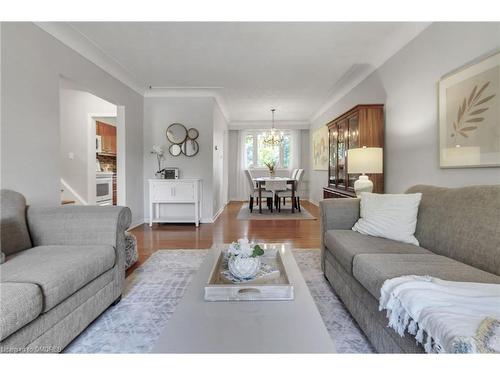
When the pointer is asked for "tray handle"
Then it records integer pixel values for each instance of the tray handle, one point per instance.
(248, 291)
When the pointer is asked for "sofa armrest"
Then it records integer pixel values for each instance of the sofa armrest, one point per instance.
(336, 213)
(78, 225)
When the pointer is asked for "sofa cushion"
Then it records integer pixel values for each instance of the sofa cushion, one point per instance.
(59, 270)
(15, 236)
(371, 270)
(20, 303)
(461, 223)
(345, 245)
(391, 216)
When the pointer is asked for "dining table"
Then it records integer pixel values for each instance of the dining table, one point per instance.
(261, 181)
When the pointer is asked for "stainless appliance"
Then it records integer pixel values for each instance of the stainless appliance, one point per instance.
(104, 189)
(171, 173)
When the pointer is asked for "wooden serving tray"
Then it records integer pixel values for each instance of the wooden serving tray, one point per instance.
(267, 288)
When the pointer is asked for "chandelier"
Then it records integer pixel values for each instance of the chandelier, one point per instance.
(272, 137)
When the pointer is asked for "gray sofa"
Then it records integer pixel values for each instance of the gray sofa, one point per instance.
(459, 234)
(62, 267)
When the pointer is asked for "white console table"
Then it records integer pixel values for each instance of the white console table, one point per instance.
(179, 191)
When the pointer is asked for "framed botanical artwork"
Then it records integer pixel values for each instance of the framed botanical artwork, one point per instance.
(320, 149)
(469, 116)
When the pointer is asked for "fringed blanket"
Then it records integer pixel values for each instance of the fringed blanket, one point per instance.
(444, 316)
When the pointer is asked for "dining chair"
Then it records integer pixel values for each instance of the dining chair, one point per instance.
(254, 192)
(293, 176)
(288, 193)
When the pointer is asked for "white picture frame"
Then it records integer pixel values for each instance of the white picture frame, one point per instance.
(469, 116)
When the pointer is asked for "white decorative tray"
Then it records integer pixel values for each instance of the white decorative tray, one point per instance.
(272, 287)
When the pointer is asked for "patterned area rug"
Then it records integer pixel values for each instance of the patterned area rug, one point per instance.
(153, 291)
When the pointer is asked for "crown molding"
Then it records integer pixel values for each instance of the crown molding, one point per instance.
(281, 124)
(345, 86)
(78, 42)
(189, 92)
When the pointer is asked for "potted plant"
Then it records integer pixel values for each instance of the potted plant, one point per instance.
(160, 155)
(271, 165)
(244, 259)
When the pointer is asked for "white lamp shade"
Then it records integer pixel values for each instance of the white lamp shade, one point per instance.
(365, 160)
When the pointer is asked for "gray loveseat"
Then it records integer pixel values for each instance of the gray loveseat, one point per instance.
(459, 234)
(62, 267)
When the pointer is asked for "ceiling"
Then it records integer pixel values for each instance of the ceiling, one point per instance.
(252, 66)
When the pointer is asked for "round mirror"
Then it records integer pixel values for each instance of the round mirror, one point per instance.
(193, 133)
(190, 147)
(176, 133)
(175, 150)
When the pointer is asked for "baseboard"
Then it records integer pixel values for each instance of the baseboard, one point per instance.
(203, 220)
(73, 192)
(217, 214)
(136, 224)
(316, 203)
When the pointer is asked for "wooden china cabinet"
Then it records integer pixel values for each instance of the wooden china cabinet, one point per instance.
(361, 126)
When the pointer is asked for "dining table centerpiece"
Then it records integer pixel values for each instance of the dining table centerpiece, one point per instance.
(244, 259)
(271, 165)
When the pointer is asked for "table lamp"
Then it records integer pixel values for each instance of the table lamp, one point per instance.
(364, 160)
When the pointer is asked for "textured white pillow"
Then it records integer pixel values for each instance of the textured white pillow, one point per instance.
(392, 216)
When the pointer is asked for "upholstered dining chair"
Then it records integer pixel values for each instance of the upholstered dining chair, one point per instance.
(294, 173)
(254, 193)
(288, 192)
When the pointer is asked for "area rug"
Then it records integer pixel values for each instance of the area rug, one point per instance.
(153, 291)
(285, 214)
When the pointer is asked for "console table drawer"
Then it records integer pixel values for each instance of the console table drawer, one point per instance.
(183, 195)
(173, 192)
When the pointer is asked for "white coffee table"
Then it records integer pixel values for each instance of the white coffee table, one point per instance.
(198, 326)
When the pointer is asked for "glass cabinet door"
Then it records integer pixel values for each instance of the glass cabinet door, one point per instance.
(332, 139)
(341, 154)
(353, 142)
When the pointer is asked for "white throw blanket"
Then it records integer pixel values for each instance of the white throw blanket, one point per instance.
(444, 316)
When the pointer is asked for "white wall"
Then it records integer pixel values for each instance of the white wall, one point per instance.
(407, 85)
(220, 176)
(32, 64)
(75, 107)
(197, 113)
(233, 168)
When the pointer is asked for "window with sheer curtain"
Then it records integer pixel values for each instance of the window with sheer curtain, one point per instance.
(257, 153)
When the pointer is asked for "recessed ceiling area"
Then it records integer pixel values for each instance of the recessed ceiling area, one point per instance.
(294, 67)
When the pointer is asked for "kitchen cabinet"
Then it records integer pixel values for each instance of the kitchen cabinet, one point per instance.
(108, 137)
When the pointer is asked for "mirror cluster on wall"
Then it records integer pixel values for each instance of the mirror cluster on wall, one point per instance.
(183, 140)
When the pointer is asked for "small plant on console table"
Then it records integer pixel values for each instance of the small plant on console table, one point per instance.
(160, 155)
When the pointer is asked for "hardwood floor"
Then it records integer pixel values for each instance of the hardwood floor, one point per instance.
(298, 233)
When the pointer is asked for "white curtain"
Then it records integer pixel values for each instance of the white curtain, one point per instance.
(242, 190)
(295, 150)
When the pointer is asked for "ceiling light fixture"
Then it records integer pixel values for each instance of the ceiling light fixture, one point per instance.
(272, 137)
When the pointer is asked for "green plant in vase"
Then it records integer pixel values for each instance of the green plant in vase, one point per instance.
(271, 165)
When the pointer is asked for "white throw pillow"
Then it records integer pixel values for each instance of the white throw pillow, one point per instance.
(392, 216)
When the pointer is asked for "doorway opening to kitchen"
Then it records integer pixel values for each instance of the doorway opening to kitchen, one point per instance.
(92, 148)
